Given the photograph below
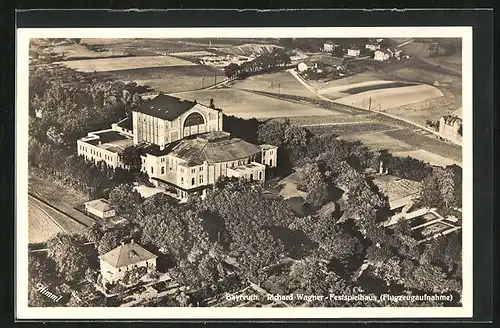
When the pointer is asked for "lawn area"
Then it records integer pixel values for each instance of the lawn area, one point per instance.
(61, 197)
(40, 226)
(250, 105)
(125, 63)
(174, 78)
(280, 82)
(425, 156)
(347, 129)
(432, 145)
(380, 141)
(78, 51)
(328, 120)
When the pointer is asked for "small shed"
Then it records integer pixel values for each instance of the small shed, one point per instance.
(100, 208)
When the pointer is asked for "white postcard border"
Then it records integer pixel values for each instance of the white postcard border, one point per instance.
(22, 311)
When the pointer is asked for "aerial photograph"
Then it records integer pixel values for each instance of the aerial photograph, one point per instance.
(231, 172)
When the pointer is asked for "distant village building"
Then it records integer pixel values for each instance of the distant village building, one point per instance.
(100, 208)
(396, 53)
(328, 47)
(301, 67)
(450, 126)
(381, 55)
(353, 52)
(372, 46)
(183, 147)
(123, 258)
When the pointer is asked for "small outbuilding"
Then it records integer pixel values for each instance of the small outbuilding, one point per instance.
(100, 208)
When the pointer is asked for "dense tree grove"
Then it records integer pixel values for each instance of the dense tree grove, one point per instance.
(70, 110)
(264, 63)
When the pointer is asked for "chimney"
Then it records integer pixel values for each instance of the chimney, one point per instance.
(195, 101)
(212, 103)
(381, 168)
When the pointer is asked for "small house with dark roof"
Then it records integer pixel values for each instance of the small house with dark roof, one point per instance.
(100, 208)
(123, 258)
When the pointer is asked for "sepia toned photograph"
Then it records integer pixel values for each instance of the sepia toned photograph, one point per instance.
(257, 171)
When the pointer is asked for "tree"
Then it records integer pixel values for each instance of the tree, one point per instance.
(272, 132)
(112, 238)
(40, 275)
(131, 157)
(410, 168)
(95, 232)
(69, 255)
(446, 181)
(312, 181)
(430, 193)
(125, 199)
(232, 70)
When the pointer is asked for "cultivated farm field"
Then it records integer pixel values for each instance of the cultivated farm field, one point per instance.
(280, 82)
(125, 63)
(381, 141)
(77, 51)
(250, 105)
(392, 97)
(174, 78)
(429, 144)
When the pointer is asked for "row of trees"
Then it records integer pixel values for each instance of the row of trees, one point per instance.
(262, 63)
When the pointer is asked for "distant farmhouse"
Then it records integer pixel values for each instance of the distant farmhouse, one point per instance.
(123, 258)
(184, 149)
(328, 46)
(353, 52)
(450, 126)
(386, 54)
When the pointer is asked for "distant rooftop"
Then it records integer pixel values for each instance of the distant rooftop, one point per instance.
(109, 140)
(266, 147)
(99, 204)
(165, 107)
(396, 188)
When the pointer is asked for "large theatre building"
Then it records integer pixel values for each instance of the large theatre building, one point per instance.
(184, 148)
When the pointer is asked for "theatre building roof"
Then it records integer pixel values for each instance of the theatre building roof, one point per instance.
(214, 147)
(165, 107)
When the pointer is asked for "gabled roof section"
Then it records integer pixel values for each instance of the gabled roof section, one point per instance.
(165, 107)
(100, 204)
(127, 254)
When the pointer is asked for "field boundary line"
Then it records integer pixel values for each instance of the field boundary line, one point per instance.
(50, 217)
(57, 210)
(379, 112)
(336, 123)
